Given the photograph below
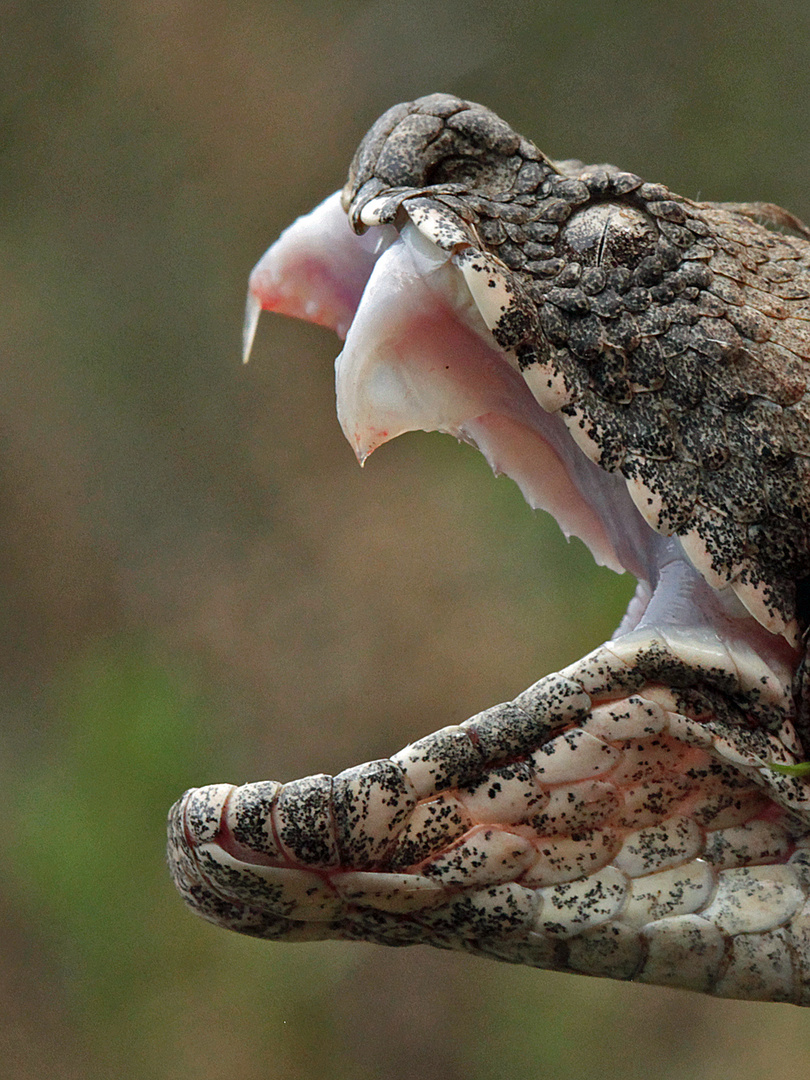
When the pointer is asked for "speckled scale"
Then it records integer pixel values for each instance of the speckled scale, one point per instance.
(685, 951)
(674, 841)
(576, 755)
(753, 842)
(433, 825)
(498, 911)
(509, 793)
(623, 263)
(249, 817)
(573, 907)
(680, 890)
(445, 758)
(306, 832)
(628, 718)
(371, 803)
(562, 858)
(753, 899)
(518, 727)
(484, 856)
(647, 803)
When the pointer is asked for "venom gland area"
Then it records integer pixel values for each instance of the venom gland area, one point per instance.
(635, 362)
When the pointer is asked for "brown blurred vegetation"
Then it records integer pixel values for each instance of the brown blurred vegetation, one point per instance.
(196, 581)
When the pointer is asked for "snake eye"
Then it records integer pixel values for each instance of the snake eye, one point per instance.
(610, 234)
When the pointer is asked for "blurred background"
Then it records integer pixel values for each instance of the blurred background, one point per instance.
(198, 584)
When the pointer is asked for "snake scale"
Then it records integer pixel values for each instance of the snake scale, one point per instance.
(637, 362)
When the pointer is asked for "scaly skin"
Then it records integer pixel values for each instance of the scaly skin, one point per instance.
(637, 815)
(673, 336)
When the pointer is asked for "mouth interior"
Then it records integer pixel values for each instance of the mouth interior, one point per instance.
(418, 356)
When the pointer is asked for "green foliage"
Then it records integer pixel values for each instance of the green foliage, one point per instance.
(801, 768)
(89, 822)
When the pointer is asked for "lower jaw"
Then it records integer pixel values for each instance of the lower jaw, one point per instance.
(618, 818)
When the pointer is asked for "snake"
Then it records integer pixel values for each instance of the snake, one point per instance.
(637, 362)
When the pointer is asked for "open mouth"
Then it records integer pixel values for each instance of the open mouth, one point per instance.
(639, 814)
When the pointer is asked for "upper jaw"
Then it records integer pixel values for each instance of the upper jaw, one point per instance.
(418, 355)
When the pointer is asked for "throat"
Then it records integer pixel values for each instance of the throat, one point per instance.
(708, 630)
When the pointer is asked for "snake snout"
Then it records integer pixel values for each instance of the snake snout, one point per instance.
(438, 139)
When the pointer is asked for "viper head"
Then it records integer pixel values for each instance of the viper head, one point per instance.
(605, 343)
(567, 321)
